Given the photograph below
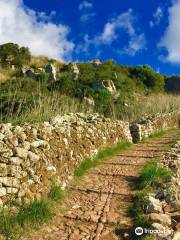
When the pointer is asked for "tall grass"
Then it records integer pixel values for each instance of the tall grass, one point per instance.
(152, 173)
(14, 224)
(147, 105)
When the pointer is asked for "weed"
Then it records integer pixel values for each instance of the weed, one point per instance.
(56, 193)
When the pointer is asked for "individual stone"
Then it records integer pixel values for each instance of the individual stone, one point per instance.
(14, 171)
(9, 181)
(33, 157)
(39, 143)
(21, 152)
(3, 170)
(11, 190)
(162, 231)
(2, 136)
(15, 160)
(160, 218)
(154, 206)
(2, 191)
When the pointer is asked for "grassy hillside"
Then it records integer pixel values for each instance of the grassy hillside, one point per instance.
(139, 90)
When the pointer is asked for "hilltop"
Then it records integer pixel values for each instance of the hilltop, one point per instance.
(35, 88)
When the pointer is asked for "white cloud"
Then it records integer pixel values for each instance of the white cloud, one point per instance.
(171, 39)
(26, 27)
(112, 29)
(85, 4)
(87, 17)
(157, 16)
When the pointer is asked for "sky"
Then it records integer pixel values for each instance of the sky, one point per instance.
(130, 32)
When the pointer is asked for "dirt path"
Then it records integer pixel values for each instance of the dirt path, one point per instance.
(99, 201)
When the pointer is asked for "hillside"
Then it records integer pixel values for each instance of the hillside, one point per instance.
(35, 88)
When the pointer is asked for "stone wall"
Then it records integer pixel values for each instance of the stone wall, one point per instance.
(152, 124)
(164, 201)
(31, 156)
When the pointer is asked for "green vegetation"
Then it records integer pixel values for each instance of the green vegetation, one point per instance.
(56, 193)
(14, 224)
(12, 54)
(103, 154)
(152, 173)
(139, 90)
(158, 134)
(137, 210)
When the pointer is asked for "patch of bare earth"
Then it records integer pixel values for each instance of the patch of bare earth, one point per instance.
(98, 202)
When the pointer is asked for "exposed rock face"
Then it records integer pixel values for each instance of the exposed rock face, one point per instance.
(51, 70)
(74, 68)
(109, 85)
(172, 84)
(32, 155)
(152, 124)
(106, 84)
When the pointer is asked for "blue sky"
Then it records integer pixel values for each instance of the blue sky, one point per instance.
(131, 32)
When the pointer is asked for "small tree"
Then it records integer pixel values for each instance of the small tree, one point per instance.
(12, 54)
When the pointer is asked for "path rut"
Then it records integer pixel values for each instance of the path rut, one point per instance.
(99, 201)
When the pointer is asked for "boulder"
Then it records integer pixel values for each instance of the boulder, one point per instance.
(154, 206)
(30, 73)
(164, 219)
(51, 70)
(162, 231)
(109, 85)
(105, 84)
(74, 68)
(89, 101)
(21, 152)
(33, 157)
(2, 191)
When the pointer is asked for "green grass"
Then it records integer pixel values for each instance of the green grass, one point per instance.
(56, 193)
(158, 134)
(103, 154)
(152, 173)
(14, 224)
(137, 210)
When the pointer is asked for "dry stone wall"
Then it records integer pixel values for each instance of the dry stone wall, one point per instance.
(152, 124)
(164, 202)
(31, 156)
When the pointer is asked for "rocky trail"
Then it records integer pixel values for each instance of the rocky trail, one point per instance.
(98, 202)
